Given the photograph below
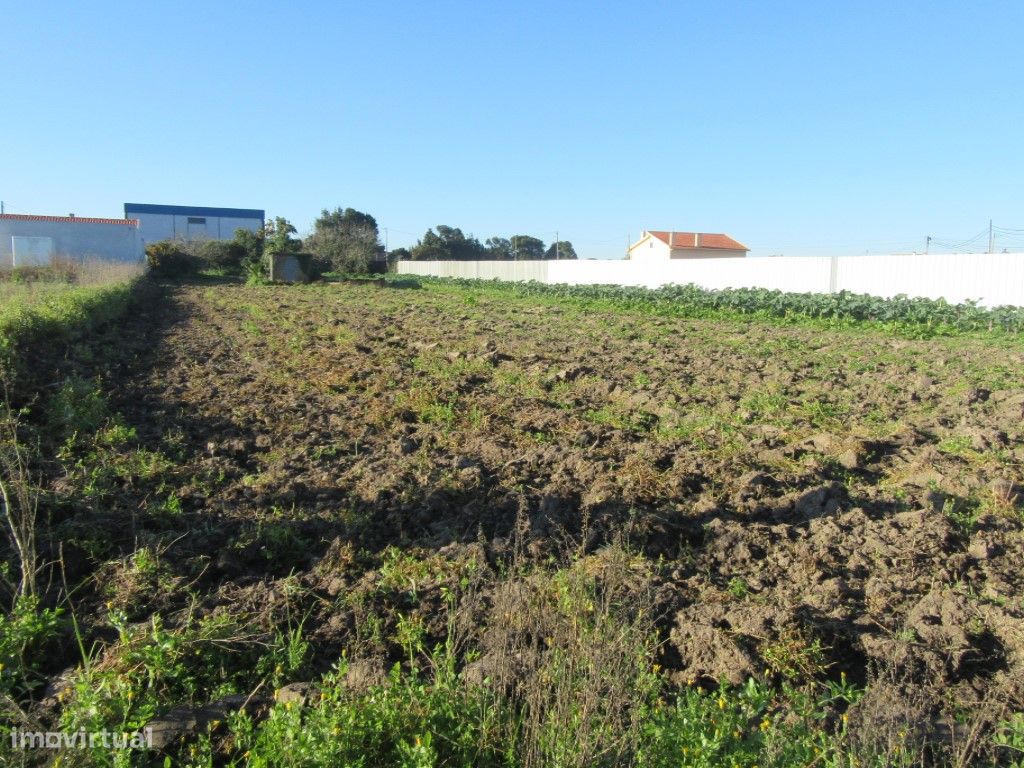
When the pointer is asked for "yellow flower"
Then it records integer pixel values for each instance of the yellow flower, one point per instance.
(721, 702)
(765, 724)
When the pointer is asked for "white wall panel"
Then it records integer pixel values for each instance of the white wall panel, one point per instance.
(991, 279)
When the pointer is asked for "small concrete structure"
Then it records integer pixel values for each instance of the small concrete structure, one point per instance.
(291, 268)
(34, 241)
(658, 245)
(189, 222)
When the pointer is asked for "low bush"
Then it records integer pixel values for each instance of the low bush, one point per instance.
(169, 258)
(219, 255)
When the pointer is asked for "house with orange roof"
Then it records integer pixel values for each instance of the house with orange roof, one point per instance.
(659, 245)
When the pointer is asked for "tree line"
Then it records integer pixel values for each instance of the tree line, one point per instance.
(450, 244)
(348, 241)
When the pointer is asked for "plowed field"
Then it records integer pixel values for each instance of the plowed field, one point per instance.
(797, 502)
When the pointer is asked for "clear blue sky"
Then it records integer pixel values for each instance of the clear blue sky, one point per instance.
(798, 128)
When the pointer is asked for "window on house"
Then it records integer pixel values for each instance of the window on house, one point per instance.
(196, 220)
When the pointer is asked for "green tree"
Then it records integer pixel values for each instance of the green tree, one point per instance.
(499, 248)
(345, 240)
(277, 240)
(561, 250)
(526, 247)
(277, 237)
(447, 244)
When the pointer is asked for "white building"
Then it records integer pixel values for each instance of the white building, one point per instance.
(656, 245)
(34, 241)
(187, 222)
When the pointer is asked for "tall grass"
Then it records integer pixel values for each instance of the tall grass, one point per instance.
(18, 501)
(57, 304)
(41, 308)
(23, 287)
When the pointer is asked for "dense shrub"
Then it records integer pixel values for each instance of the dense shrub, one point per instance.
(319, 266)
(242, 255)
(169, 258)
(221, 255)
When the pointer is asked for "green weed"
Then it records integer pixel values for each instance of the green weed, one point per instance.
(25, 633)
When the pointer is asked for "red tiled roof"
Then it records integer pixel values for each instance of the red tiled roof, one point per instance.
(698, 240)
(71, 219)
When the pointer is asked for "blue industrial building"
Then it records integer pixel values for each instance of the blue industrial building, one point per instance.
(189, 222)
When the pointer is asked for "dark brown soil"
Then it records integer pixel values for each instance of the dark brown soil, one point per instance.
(809, 501)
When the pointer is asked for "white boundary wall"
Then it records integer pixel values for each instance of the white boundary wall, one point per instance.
(992, 279)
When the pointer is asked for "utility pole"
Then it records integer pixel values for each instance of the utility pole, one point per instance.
(556, 247)
(1, 207)
(927, 243)
(385, 239)
(991, 238)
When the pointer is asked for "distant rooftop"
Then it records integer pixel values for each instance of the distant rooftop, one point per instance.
(698, 240)
(193, 210)
(67, 219)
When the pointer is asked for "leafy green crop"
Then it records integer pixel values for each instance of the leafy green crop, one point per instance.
(917, 316)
